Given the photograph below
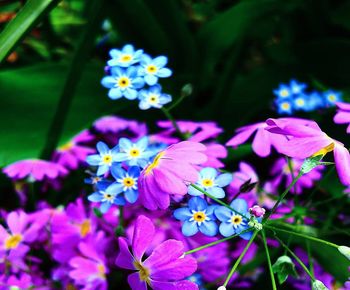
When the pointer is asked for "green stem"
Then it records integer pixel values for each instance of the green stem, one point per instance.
(173, 122)
(273, 282)
(216, 242)
(302, 235)
(296, 258)
(240, 258)
(120, 229)
(283, 195)
(217, 200)
(310, 259)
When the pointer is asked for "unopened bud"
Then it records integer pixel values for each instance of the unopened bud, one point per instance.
(318, 285)
(345, 251)
(257, 211)
(222, 288)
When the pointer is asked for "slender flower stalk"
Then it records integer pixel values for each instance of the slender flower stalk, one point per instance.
(173, 121)
(273, 282)
(217, 242)
(240, 258)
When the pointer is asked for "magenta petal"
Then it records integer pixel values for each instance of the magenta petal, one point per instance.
(167, 181)
(342, 163)
(143, 236)
(16, 222)
(135, 282)
(342, 118)
(178, 285)
(124, 259)
(241, 137)
(187, 146)
(261, 143)
(343, 106)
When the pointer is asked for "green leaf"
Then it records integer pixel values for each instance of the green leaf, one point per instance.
(27, 17)
(284, 267)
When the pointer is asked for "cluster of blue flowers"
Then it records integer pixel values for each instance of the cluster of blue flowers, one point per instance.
(134, 75)
(124, 162)
(292, 97)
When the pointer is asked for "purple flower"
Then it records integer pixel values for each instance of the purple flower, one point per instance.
(169, 173)
(164, 269)
(35, 169)
(257, 211)
(343, 115)
(214, 152)
(245, 174)
(307, 140)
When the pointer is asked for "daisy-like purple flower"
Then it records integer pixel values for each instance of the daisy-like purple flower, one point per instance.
(198, 216)
(73, 153)
(127, 180)
(164, 269)
(343, 115)
(35, 169)
(103, 159)
(309, 140)
(152, 69)
(246, 174)
(123, 83)
(124, 57)
(170, 173)
(211, 182)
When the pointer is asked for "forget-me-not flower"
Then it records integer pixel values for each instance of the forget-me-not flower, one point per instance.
(198, 216)
(104, 159)
(283, 91)
(152, 69)
(153, 98)
(331, 97)
(211, 182)
(125, 57)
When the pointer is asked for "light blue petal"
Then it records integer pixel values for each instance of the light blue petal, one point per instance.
(113, 62)
(224, 179)
(147, 154)
(119, 157)
(120, 200)
(108, 82)
(124, 144)
(93, 160)
(131, 72)
(182, 214)
(102, 147)
(144, 105)
(189, 228)
(130, 94)
(164, 72)
(226, 229)
(95, 197)
(105, 206)
(142, 143)
(210, 211)
(134, 171)
(247, 235)
(151, 79)
(138, 83)
(156, 89)
(114, 188)
(208, 172)
(223, 213)
(115, 93)
(160, 61)
(117, 171)
(209, 228)
(131, 195)
(164, 99)
(217, 192)
(145, 59)
(114, 53)
(240, 205)
(197, 203)
(194, 192)
(128, 48)
(102, 169)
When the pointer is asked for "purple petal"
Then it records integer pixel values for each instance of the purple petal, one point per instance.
(342, 163)
(124, 259)
(143, 236)
(135, 282)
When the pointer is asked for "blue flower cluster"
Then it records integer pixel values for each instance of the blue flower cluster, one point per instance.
(292, 97)
(130, 71)
(124, 163)
(201, 217)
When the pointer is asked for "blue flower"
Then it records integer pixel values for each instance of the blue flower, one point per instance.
(198, 216)
(233, 222)
(104, 159)
(125, 57)
(331, 97)
(211, 182)
(297, 88)
(152, 69)
(153, 97)
(127, 181)
(134, 153)
(283, 91)
(107, 195)
(123, 83)
(284, 106)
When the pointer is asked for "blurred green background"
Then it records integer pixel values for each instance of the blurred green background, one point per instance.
(234, 53)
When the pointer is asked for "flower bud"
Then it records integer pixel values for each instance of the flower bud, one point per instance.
(344, 250)
(222, 288)
(257, 211)
(318, 285)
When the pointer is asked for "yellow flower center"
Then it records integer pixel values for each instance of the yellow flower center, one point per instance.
(128, 182)
(67, 146)
(155, 163)
(300, 102)
(143, 272)
(134, 152)
(85, 228)
(236, 220)
(109, 197)
(199, 216)
(123, 82)
(284, 93)
(325, 150)
(285, 106)
(101, 271)
(331, 98)
(107, 159)
(207, 182)
(152, 69)
(70, 287)
(125, 58)
(153, 99)
(13, 241)
(95, 179)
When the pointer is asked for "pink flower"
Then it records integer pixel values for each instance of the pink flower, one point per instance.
(257, 211)
(164, 269)
(71, 154)
(170, 173)
(343, 115)
(245, 174)
(307, 140)
(36, 169)
(263, 140)
(214, 152)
